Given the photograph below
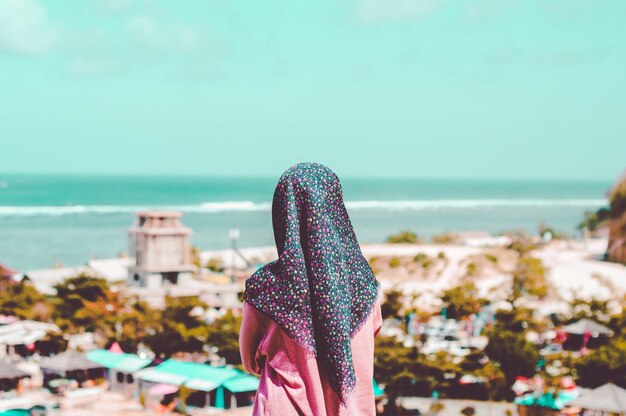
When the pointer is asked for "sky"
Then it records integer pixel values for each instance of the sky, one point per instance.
(525, 89)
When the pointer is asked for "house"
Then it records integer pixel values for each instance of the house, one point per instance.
(22, 334)
(216, 387)
(44, 280)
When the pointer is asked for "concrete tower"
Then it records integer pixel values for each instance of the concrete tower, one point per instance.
(160, 245)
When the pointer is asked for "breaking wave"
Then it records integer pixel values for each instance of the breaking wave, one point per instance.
(250, 206)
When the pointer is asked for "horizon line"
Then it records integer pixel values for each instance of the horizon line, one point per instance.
(347, 177)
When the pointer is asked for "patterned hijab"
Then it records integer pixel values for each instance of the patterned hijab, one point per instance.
(321, 289)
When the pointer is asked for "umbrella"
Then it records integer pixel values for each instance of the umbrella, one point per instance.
(68, 361)
(585, 326)
(9, 372)
(607, 398)
(162, 389)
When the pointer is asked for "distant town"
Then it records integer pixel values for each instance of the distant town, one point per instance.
(474, 324)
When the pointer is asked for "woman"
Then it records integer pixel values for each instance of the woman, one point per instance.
(310, 317)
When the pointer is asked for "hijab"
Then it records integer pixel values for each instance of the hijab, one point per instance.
(321, 289)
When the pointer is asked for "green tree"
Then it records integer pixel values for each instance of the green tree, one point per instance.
(462, 301)
(135, 323)
(529, 277)
(224, 335)
(595, 309)
(606, 364)
(594, 220)
(618, 322)
(408, 237)
(515, 355)
(402, 370)
(24, 301)
(393, 304)
(517, 319)
(521, 243)
(176, 329)
(85, 303)
(478, 365)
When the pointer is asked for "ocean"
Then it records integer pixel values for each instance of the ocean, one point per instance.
(51, 219)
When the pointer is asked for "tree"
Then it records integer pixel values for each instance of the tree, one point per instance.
(393, 304)
(606, 364)
(594, 220)
(515, 355)
(597, 310)
(24, 301)
(224, 335)
(177, 330)
(529, 277)
(136, 322)
(517, 319)
(461, 301)
(480, 366)
(85, 303)
(402, 370)
(618, 322)
(407, 237)
(521, 243)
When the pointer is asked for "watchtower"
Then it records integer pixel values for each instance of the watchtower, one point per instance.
(160, 245)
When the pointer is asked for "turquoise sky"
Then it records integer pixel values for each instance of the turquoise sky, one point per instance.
(417, 88)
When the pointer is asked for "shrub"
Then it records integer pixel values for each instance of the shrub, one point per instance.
(407, 237)
(530, 277)
(468, 411)
(214, 264)
(444, 238)
(394, 262)
(419, 257)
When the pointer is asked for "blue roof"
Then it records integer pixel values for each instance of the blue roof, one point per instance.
(127, 363)
(200, 376)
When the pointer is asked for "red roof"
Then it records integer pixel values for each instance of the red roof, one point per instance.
(115, 348)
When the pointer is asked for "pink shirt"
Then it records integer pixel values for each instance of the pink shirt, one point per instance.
(291, 383)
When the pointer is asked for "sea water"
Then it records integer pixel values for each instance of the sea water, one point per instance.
(48, 219)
